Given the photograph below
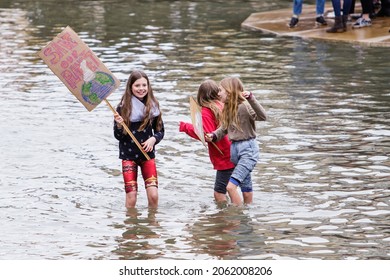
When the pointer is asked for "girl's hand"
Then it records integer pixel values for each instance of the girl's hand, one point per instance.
(208, 137)
(149, 144)
(118, 119)
(246, 94)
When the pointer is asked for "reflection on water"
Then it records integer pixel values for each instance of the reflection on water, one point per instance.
(322, 179)
(137, 241)
(226, 234)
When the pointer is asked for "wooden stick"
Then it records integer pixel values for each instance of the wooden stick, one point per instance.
(215, 145)
(129, 132)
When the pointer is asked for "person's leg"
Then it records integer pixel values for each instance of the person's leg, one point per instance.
(131, 199)
(338, 20)
(221, 180)
(346, 7)
(336, 7)
(232, 185)
(149, 173)
(352, 9)
(320, 7)
(233, 192)
(297, 7)
(244, 154)
(367, 7)
(219, 197)
(248, 197)
(152, 194)
(129, 171)
(365, 19)
(297, 10)
(247, 189)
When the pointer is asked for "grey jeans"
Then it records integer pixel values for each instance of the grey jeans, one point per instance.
(244, 154)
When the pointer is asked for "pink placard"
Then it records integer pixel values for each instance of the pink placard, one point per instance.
(79, 68)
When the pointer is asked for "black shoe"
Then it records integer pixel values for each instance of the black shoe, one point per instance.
(293, 22)
(321, 21)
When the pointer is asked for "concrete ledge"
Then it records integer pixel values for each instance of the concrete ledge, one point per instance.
(275, 22)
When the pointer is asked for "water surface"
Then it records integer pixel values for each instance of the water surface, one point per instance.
(321, 184)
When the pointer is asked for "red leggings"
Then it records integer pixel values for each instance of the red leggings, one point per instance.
(130, 173)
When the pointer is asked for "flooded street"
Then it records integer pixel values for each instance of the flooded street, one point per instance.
(322, 184)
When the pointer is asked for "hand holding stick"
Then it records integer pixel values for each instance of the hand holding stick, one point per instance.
(208, 137)
(120, 121)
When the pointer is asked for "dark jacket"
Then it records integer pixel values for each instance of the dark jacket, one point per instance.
(128, 149)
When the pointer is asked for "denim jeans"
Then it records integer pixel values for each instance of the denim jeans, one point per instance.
(244, 154)
(297, 7)
(337, 7)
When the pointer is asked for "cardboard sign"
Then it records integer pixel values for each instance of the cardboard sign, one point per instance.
(79, 68)
(196, 118)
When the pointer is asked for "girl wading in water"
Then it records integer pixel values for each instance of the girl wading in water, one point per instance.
(239, 114)
(140, 111)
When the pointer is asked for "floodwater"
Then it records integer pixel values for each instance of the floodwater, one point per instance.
(321, 184)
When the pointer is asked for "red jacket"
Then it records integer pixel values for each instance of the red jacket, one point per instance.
(219, 161)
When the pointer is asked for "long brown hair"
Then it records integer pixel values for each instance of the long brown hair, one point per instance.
(234, 88)
(150, 100)
(207, 95)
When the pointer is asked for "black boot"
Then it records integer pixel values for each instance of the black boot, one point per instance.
(345, 21)
(337, 27)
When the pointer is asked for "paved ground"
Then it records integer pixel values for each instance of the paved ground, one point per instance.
(276, 22)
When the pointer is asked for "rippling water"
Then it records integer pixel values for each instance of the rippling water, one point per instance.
(321, 185)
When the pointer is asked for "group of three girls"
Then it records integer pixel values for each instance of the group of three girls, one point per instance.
(228, 116)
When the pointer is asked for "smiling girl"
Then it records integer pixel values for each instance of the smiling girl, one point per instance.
(139, 110)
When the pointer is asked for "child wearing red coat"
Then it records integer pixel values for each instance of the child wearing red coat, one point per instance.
(208, 99)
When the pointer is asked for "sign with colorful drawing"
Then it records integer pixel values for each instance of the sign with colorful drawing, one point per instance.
(79, 68)
(196, 118)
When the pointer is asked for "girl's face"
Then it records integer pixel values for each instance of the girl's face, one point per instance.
(222, 94)
(140, 88)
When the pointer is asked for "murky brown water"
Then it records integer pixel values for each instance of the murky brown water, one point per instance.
(322, 183)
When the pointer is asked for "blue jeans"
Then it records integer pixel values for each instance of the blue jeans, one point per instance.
(337, 7)
(297, 7)
(244, 155)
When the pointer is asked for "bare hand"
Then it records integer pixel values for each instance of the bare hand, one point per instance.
(208, 137)
(118, 119)
(246, 94)
(149, 144)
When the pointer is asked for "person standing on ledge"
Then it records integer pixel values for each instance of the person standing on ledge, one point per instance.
(365, 20)
(297, 10)
(340, 21)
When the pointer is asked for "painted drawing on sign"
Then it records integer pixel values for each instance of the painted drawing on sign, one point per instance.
(79, 68)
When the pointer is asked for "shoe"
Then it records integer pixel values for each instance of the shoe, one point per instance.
(293, 22)
(321, 20)
(361, 22)
(338, 26)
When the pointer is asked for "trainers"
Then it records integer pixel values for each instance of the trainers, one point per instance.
(361, 22)
(293, 22)
(321, 20)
